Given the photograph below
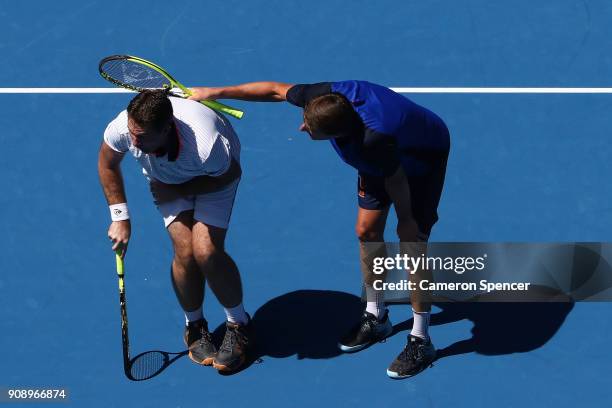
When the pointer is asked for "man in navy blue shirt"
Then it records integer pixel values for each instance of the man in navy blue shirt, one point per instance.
(400, 150)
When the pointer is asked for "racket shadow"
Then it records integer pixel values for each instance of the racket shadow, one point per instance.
(149, 364)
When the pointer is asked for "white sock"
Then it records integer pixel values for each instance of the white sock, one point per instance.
(194, 316)
(375, 302)
(420, 327)
(236, 314)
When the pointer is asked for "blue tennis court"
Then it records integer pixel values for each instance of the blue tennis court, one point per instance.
(523, 167)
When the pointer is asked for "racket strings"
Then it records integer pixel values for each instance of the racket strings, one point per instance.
(134, 75)
(138, 75)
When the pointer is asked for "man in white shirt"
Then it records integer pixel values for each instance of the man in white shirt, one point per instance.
(190, 155)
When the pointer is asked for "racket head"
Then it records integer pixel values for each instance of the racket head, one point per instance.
(138, 74)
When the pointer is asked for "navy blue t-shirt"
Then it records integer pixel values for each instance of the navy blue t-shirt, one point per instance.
(396, 130)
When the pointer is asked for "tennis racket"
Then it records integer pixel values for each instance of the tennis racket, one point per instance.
(138, 74)
(148, 364)
(124, 320)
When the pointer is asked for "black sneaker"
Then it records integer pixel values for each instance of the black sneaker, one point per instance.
(367, 332)
(199, 341)
(416, 356)
(232, 353)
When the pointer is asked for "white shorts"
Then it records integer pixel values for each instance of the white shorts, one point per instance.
(211, 208)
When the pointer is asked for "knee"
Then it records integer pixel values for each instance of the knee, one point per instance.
(183, 255)
(407, 230)
(205, 255)
(366, 233)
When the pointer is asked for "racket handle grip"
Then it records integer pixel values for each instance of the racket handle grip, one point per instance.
(119, 261)
(218, 106)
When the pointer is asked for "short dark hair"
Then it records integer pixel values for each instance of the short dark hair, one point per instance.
(150, 109)
(331, 114)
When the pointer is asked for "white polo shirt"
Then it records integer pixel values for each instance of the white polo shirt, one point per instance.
(207, 143)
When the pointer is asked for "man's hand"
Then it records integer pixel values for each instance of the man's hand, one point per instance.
(119, 233)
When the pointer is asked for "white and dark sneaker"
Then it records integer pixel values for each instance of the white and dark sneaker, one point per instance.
(368, 331)
(199, 340)
(237, 342)
(418, 355)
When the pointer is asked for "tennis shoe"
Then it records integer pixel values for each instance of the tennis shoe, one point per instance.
(418, 355)
(232, 353)
(200, 343)
(368, 331)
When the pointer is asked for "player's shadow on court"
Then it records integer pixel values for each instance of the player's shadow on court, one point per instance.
(304, 323)
(534, 316)
(502, 327)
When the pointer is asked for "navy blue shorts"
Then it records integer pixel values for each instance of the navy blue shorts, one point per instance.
(425, 191)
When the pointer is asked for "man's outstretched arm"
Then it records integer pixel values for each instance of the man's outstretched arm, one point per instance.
(252, 91)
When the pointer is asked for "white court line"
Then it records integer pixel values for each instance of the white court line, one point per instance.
(62, 90)
(425, 90)
(507, 90)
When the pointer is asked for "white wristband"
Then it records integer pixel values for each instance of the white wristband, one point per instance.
(119, 212)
